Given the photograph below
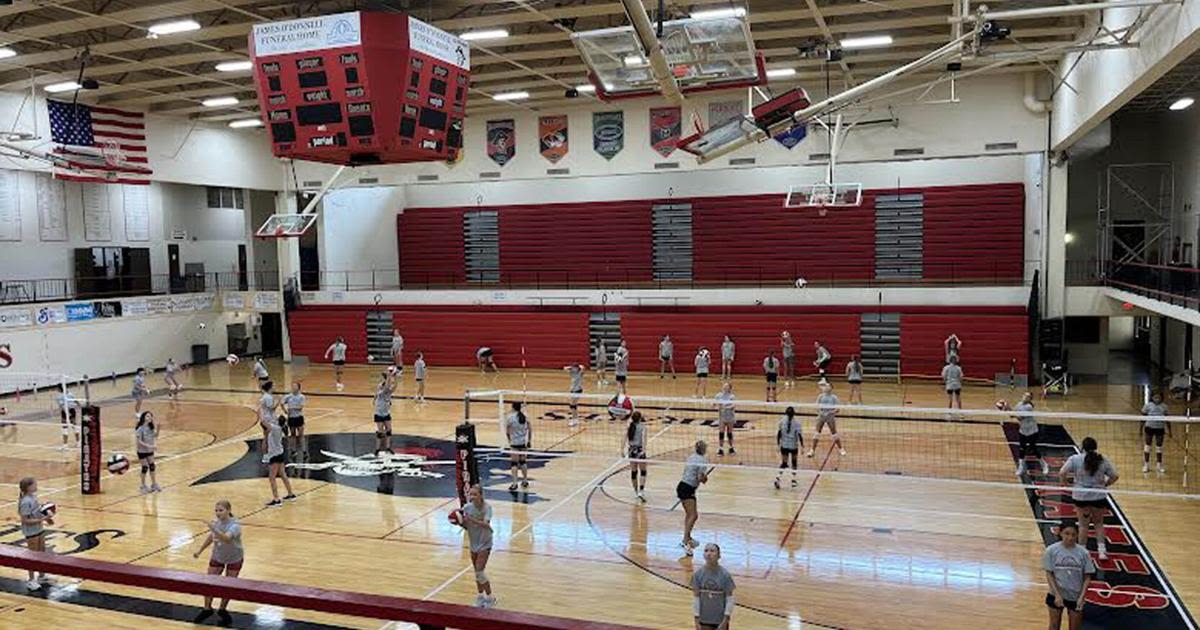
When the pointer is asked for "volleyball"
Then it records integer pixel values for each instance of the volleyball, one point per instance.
(801, 283)
(370, 358)
(232, 359)
(49, 509)
(202, 326)
(1002, 405)
(456, 518)
(118, 464)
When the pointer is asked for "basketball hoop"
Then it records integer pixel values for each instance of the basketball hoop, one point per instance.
(286, 225)
(822, 210)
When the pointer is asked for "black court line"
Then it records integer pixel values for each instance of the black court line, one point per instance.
(144, 607)
(587, 509)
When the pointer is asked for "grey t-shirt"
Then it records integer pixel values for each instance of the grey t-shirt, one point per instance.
(1068, 566)
(727, 349)
(260, 369)
(1028, 423)
(823, 354)
(139, 385)
(147, 442)
(479, 536)
(1154, 414)
(725, 406)
(294, 404)
(828, 406)
(639, 436)
(789, 348)
(29, 507)
(266, 407)
(171, 368)
(666, 349)
(383, 400)
(274, 439)
(1086, 484)
(771, 365)
(622, 367)
(715, 586)
(419, 369)
(228, 552)
(337, 351)
(854, 371)
(789, 433)
(952, 374)
(601, 356)
(703, 361)
(518, 432)
(397, 344)
(696, 463)
(576, 374)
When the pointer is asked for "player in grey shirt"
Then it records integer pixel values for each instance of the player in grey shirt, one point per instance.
(601, 364)
(824, 358)
(635, 441)
(790, 438)
(728, 351)
(419, 375)
(787, 348)
(712, 590)
(397, 349)
(520, 436)
(703, 362)
(1154, 429)
(854, 376)
(477, 520)
(225, 536)
(1091, 474)
(293, 406)
(695, 472)
(274, 455)
(260, 370)
(1028, 435)
(726, 418)
(575, 371)
(68, 411)
(383, 410)
(827, 416)
(139, 391)
(952, 376)
(1069, 570)
(666, 356)
(33, 522)
(771, 370)
(337, 351)
(169, 372)
(146, 436)
(621, 359)
(952, 345)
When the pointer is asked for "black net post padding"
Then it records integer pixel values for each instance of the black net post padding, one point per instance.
(90, 452)
(466, 468)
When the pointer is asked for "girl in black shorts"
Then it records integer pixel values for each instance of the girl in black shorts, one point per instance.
(635, 440)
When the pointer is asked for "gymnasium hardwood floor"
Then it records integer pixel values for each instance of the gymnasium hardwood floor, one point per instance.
(838, 551)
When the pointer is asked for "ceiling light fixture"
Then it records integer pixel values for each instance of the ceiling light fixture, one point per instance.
(244, 123)
(1182, 104)
(497, 33)
(7, 52)
(778, 73)
(65, 86)
(635, 60)
(511, 96)
(585, 87)
(220, 101)
(170, 28)
(871, 41)
(719, 13)
(234, 66)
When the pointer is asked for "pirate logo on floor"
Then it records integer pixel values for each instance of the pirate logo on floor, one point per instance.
(563, 415)
(418, 466)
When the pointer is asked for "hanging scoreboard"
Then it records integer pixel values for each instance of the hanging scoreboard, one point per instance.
(361, 88)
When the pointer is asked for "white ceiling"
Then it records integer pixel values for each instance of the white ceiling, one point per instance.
(173, 73)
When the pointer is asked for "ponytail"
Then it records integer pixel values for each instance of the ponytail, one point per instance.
(790, 412)
(1091, 458)
(631, 430)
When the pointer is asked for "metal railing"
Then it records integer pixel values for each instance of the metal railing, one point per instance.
(103, 287)
(1174, 284)
(834, 275)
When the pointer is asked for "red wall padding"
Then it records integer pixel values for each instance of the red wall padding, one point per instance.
(753, 334)
(989, 343)
(974, 232)
(592, 242)
(431, 246)
(751, 238)
(449, 337)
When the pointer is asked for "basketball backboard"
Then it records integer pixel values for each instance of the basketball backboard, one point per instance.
(823, 195)
(704, 54)
(286, 225)
(709, 143)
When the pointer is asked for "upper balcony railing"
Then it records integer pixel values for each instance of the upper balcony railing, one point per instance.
(103, 287)
(1174, 284)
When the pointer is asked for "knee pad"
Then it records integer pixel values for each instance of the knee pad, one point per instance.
(633, 474)
(388, 433)
(379, 435)
(481, 577)
(1146, 448)
(65, 431)
(153, 467)
(145, 469)
(643, 472)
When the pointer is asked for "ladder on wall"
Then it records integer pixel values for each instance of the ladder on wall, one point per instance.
(379, 337)
(606, 327)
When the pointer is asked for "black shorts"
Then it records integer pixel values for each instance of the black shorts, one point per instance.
(662, 358)
(685, 491)
(621, 378)
(1150, 431)
(855, 381)
(519, 447)
(824, 365)
(420, 380)
(263, 379)
(296, 422)
(486, 354)
(64, 414)
(788, 451)
(277, 459)
(772, 378)
(1098, 503)
(637, 452)
(956, 390)
(142, 456)
(339, 362)
(1068, 604)
(387, 418)
(701, 374)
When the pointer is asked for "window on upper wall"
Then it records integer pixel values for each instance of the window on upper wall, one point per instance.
(226, 198)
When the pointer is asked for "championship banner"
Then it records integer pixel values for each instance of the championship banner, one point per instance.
(666, 124)
(608, 133)
(792, 137)
(721, 111)
(501, 140)
(553, 141)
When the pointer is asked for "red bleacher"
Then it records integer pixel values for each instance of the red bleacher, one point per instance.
(989, 343)
(974, 231)
(752, 238)
(431, 246)
(754, 335)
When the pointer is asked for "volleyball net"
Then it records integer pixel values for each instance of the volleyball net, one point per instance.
(968, 445)
(39, 398)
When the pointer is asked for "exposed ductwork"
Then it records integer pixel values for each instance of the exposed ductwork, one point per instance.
(1032, 102)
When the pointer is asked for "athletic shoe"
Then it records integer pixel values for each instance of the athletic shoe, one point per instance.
(841, 451)
(33, 585)
(731, 451)
(340, 387)
(1161, 469)
(155, 488)
(794, 483)
(809, 453)
(143, 489)
(479, 599)
(489, 601)
(641, 496)
(721, 452)
(776, 483)
(225, 617)
(1145, 467)
(687, 549)
(46, 579)
(525, 483)
(512, 487)
(274, 503)
(1102, 552)
(1020, 469)
(693, 543)
(204, 615)
(290, 497)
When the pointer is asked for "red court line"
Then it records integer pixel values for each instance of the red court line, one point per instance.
(803, 501)
(293, 596)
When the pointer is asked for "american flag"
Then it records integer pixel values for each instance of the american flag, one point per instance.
(99, 144)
